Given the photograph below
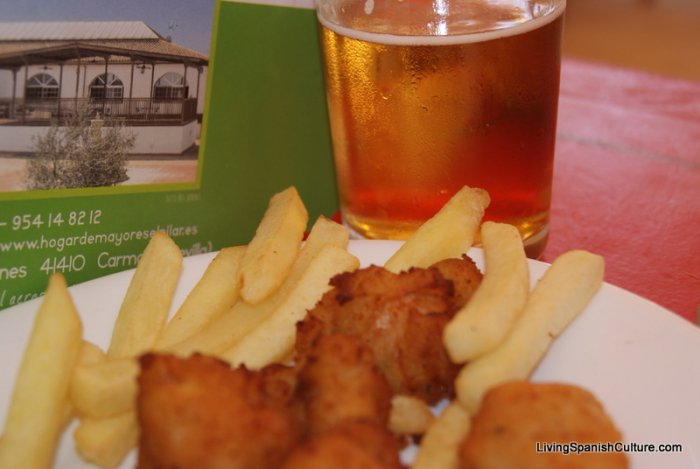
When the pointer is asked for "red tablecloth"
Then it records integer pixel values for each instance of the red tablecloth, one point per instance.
(627, 180)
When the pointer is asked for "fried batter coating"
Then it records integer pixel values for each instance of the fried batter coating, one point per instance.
(199, 413)
(339, 381)
(517, 416)
(353, 444)
(465, 277)
(401, 317)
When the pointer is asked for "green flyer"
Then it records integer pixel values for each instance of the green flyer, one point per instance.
(112, 130)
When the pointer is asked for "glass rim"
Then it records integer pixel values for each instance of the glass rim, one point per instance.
(445, 39)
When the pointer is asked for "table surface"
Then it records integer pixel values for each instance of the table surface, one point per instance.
(627, 180)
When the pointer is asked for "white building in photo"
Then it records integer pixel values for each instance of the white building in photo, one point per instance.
(119, 69)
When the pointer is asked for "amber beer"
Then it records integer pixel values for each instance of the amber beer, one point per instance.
(420, 111)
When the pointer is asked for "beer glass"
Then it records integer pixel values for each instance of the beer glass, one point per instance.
(426, 96)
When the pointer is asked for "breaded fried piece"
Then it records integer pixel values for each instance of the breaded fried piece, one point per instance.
(465, 277)
(401, 317)
(350, 445)
(199, 413)
(279, 383)
(517, 416)
(339, 381)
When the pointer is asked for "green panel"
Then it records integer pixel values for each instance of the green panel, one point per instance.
(265, 128)
(267, 122)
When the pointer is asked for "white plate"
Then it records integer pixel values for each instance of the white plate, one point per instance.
(642, 361)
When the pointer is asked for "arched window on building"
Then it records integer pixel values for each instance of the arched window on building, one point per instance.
(114, 88)
(42, 86)
(170, 86)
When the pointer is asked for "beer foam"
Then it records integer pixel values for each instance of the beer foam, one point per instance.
(513, 29)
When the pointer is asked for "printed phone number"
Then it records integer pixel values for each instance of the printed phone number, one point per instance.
(25, 222)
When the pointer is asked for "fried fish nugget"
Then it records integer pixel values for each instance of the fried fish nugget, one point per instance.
(339, 381)
(516, 417)
(401, 317)
(351, 445)
(464, 275)
(199, 413)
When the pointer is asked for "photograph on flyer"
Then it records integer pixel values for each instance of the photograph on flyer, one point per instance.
(99, 94)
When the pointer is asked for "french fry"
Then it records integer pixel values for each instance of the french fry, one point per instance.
(325, 232)
(214, 294)
(560, 295)
(274, 338)
(223, 332)
(37, 412)
(106, 442)
(440, 444)
(90, 354)
(409, 415)
(491, 311)
(272, 251)
(104, 389)
(449, 233)
(147, 301)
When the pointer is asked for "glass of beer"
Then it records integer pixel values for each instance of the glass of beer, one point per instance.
(426, 96)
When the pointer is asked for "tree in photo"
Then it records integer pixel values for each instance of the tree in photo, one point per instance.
(85, 152)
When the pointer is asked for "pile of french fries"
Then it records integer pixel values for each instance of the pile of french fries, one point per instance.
(245, 307)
